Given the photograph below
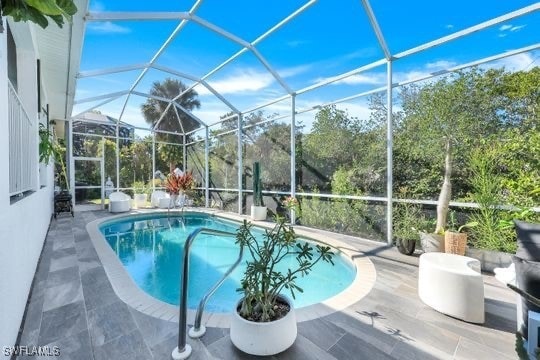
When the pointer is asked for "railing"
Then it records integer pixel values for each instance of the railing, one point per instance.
(22, 146)
(183, 350)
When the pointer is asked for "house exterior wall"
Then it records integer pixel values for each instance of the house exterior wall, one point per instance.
(24, 223)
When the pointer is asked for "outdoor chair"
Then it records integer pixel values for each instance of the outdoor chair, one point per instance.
(156, 197)
(119, 202)
(453, 285)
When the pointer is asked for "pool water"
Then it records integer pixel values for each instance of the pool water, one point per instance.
(151, 249)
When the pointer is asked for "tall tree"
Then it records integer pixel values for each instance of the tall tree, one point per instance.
(443, 117)
(172, 120)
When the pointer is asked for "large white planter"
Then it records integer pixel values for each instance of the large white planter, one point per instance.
(140, 200)
(258, 212)
(262, 339)
(432, 242)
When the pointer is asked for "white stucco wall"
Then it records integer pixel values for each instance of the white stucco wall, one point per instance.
(24, 224)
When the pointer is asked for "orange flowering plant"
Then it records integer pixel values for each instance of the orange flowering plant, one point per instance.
(176, 183)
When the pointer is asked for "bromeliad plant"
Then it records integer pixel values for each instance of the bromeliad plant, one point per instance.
(263, 282)
(176, 183)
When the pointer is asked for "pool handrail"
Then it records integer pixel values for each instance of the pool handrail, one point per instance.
(183, 350)
(198, 329)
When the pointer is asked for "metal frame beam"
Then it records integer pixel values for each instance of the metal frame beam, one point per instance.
(159, 52)
(132, 15)
(254, 43)
(376, 29)
(389, 155)
(113, 70)
(469, 30)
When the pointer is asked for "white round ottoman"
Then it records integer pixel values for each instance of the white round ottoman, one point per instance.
(452, 284)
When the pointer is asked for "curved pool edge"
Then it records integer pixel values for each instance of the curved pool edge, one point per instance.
(126, 289)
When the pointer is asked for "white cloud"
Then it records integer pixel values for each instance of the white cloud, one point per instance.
(240, 81)
(357, 79)
(516, 28)
(440, 64)
(294, 70)
(509, 27)
(211, 110)
(108, 27)
(514, 63)
(449, 26)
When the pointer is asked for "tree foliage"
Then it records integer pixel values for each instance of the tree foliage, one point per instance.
(175, 119)
(38, 11)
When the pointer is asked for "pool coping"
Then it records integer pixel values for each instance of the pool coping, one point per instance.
(128, 291)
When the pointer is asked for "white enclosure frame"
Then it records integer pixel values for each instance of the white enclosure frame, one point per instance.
(190, 16)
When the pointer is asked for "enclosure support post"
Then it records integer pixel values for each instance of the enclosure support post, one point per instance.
(102, 169)
(184, 155)
(389, 149)
(71, 161)
(153, 161)
(206, 169)
(117, 155)
(293, 152)
(240, 163)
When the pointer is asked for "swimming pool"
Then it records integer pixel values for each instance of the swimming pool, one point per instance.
(150, 249)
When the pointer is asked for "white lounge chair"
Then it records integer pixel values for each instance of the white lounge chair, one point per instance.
(452, 284)
(119, 202)
(156, 196)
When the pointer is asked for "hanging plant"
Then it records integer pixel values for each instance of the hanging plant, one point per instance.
(37, 11)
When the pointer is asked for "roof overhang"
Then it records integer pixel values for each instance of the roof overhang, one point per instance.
(59, 51)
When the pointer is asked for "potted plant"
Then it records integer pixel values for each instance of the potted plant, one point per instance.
(258, 210)
(263, 321)
(140, 194)
(178, 183)
(408, 219)
(456, 242)
(50, 148)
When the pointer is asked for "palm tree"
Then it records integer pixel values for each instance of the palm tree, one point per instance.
(153, 109)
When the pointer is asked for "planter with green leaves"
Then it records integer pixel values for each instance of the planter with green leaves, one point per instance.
(258, 210)
(408, 220)
(263, 322)
(50, 148)
(455, 242)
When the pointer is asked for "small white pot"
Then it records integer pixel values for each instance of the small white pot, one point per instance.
(140, 200)
(267, 338)
(258, 212)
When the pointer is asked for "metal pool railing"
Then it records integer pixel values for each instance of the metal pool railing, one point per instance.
(23, 137)
(183, 350)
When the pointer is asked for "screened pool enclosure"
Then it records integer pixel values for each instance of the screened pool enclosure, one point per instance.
(347, 105)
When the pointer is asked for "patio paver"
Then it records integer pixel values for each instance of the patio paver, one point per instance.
(73, 306)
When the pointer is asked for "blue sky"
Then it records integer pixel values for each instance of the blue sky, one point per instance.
(327, 39)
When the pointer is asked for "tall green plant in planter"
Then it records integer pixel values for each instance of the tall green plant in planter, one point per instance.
(492, 232)
(409, 220)
(258, 210)
(49, 148)
(263, 322)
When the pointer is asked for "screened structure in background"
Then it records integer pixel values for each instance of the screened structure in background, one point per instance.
(356, 147)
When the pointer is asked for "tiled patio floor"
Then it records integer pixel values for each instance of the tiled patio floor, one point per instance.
(73, 306)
